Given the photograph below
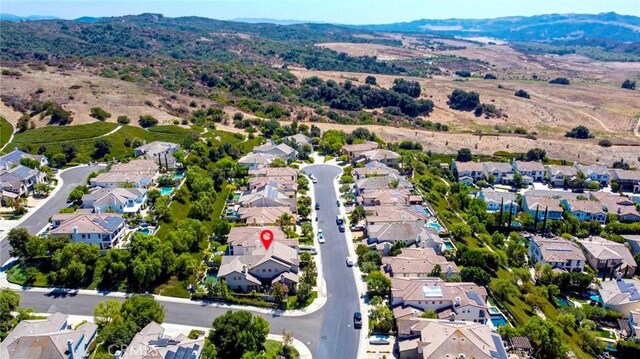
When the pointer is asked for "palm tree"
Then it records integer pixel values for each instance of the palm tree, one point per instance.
(285, 220)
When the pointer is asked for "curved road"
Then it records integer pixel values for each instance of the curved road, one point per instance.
(328, 332)
(36, 221)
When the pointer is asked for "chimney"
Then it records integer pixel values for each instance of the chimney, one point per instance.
(70, 348)
(245, 270)
(194, 354)
(458, 301)
(449, 269)
(618, 276)
(118, 355)
(75, 230)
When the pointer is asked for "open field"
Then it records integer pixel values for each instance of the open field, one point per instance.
(5, 131)
(552, 109)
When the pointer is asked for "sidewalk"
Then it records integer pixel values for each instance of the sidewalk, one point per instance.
(177, 329)
(317, 304)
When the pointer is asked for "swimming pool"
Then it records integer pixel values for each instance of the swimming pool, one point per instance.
(498, 320)
(494, 310)
(563, 302)
(165, 191)
(448, 245)
(436, 226)
(178, 176)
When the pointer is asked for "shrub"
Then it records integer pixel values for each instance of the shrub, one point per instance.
(464, 101)
(579, 132)
(629, 84)
(147, 121)
(560, 81)
(522, 93)
(123, 120)
(490, 77)
(99, 114)
(605, 143)
(463, 73)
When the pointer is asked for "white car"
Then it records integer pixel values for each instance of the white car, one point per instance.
(350, 262)
(320, 236)
(321, 240)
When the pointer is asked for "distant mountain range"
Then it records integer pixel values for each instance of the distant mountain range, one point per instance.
(263, 20)
(551, 27)
(11, 17)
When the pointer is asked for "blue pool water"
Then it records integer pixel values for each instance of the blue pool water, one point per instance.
(494, 310)
(448, 245)
(595, 298)
(178, 175)
(435, 225)
(165, 191)
(563, 302)
(498, 320)
(144, 231)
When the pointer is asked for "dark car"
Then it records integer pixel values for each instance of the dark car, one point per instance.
(341, 227)
(317, 206)
(357, 320)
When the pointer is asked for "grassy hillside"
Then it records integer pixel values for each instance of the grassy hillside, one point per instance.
(5, 131)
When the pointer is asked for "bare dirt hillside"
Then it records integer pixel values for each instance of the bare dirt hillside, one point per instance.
(552, 110)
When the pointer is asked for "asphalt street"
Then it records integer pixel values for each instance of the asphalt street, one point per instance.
(39, 219)
(328, 332)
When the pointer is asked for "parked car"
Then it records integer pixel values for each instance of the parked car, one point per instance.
(320, 236)
(308, 248)
(350, 262)
(317, 206)
(339, 219)
(357, 320)
(341, 227)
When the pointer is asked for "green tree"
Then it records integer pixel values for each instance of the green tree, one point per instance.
(382, 319)
(9, 303)
(546, 337)
(142, 310)
(18, 238)
(236, 333)
(504, 288)
(161, 208)
(77, 193)
(123, 120)
(474, 274)
(378, 283)
(102, 148)
(464, 155)
(147, 121)
(429, 314)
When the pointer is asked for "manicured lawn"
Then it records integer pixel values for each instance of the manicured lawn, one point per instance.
(5, 131)
(605, 334)
(174, 288)
(17, 275)
(292, 301)
(53, 134)
(272, 347)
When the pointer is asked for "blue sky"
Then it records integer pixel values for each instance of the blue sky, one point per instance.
(336, 11)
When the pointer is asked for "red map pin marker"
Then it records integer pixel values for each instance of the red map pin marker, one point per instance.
(266, 236)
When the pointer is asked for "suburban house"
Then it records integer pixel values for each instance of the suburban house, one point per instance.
(633, 240)
(629, 181)
(538, 206)
(285, 184)
(389, 197)
(395, 214)
(623, 207)
(14, 157)
(119, 179)
(297, 140)
(497, 171)
(104, 230)
(151, 342)
(368, 184)
(621, 295)
(468, 172)
(244, 240)
(159, 151)
(375, 168)
(383, 156)
(558, 176)
(354, 151)
(557, 252)
(275, 172)
(532, 169)
(595, 173)
(20, 179)
(586, 210)
(139, 173)
(258, 216)
(417, 263)
(606, 256)
(462, 300)
(421, 338)
(50, 338)
(634, 324)
(255, 161)
(384, 235)
(282, 151)
(118, 200)
(268, 196)
(497, 201)
(263, 267)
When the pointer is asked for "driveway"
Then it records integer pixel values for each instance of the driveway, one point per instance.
(36, 221)
(328, 332)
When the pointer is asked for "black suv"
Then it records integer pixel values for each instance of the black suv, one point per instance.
(357, 320)
(317, 206)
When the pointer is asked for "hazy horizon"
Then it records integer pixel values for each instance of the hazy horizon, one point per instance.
(330, 11)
